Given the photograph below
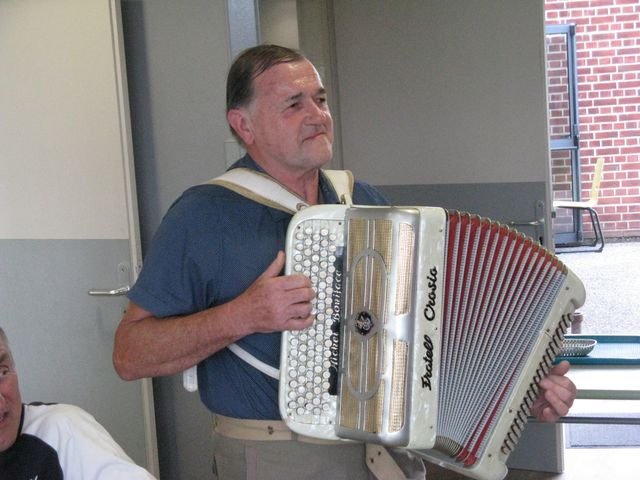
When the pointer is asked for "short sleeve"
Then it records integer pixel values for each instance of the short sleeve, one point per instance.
(172, 281)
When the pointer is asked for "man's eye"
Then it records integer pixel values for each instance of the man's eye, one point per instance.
(4, 371)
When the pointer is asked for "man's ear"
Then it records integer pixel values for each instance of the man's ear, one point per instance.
(241, 124)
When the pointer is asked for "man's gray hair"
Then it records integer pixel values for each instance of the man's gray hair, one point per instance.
(248, 65)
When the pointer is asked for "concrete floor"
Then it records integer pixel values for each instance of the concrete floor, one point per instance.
(612, 282)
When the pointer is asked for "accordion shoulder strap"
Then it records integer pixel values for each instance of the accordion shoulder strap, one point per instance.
(254, 362)
(263, 189)
(190, 375)
(260, 188)
(342, 183)
(381, 464)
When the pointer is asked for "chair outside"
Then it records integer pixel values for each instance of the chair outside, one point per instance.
(598, 243)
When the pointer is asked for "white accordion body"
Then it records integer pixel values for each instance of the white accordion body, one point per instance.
(432, 331)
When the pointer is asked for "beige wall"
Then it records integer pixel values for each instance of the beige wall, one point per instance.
(46, 130)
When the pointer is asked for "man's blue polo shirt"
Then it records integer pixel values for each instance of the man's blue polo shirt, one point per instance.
(210, 247)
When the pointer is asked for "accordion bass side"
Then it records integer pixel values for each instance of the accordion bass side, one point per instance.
(432, 331)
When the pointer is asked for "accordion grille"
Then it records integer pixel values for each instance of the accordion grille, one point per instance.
(405, 249)
(383, 245)
(369, 383)
(357, 241)
(369, 251)
(362, 403)
(398, 389)
(348, 401)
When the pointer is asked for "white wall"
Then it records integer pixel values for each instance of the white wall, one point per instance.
(442, 91)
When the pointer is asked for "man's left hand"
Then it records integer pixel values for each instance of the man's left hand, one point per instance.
(556, 395)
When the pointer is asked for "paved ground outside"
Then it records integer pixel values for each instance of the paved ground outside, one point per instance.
(612, 282)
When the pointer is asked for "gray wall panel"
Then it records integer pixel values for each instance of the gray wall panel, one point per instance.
(177, 60)
(442, 91)
(502, 202)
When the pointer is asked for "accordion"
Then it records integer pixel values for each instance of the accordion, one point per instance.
(432, 331)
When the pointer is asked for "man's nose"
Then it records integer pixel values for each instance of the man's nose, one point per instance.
(316, 112)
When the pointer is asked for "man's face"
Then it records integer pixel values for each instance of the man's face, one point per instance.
(10, 400)
(289, 120)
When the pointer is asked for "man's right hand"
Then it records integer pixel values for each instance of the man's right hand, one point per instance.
(146, 346)
(275, 303)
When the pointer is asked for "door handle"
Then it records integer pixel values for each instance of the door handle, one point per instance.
(539, 216)
(116, 292)
(532, 223)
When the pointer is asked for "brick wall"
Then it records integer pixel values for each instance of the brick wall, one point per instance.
(608, 69)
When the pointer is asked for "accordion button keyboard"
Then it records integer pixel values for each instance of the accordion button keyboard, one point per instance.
(316, 251)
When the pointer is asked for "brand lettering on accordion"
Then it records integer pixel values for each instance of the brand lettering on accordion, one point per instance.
(428, 365)
(334, 349)
(430, 308)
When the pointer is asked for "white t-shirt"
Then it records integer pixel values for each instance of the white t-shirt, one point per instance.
(85, 450)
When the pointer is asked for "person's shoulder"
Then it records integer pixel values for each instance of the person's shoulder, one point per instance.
(57, 423)
(366, 194)
(206, 193)
(201, 198)
(83, 445)
(200, 205)
(45, 416)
